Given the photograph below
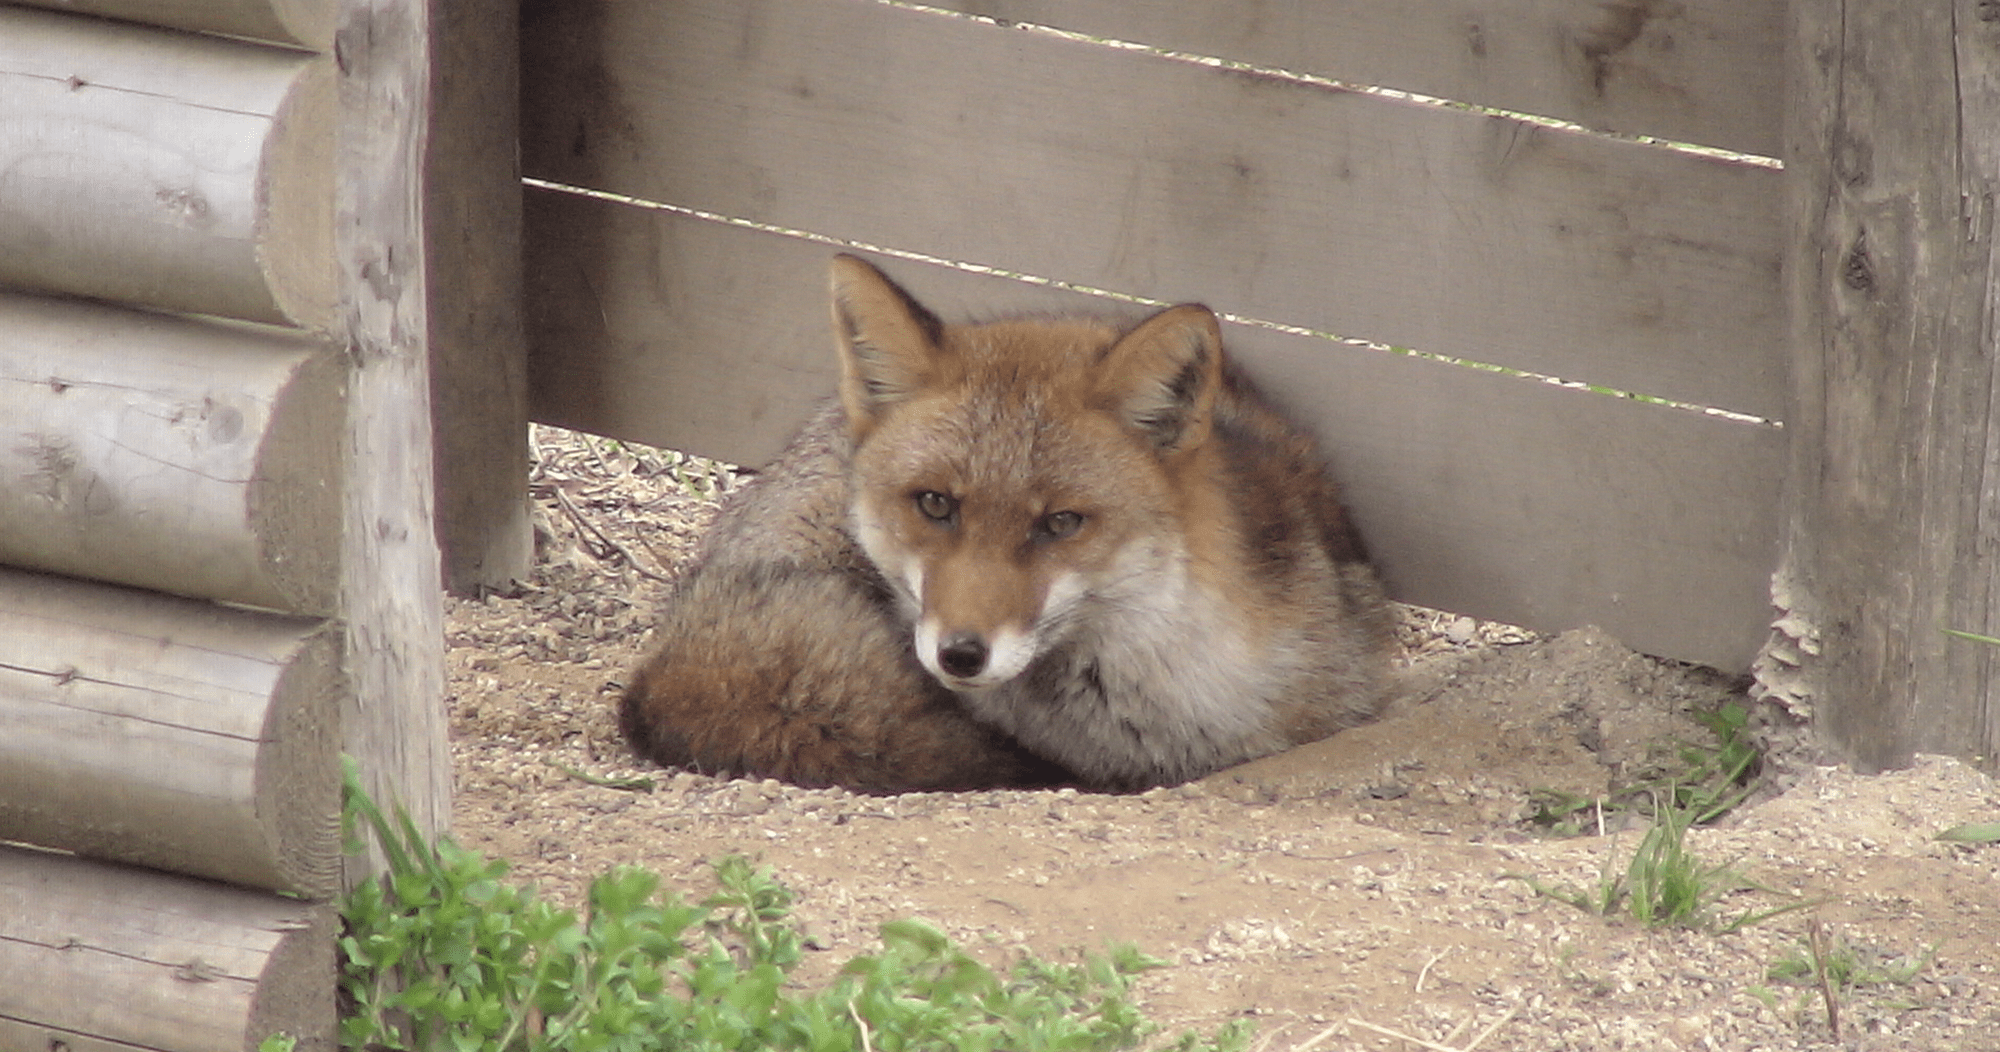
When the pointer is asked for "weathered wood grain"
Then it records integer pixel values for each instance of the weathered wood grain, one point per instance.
(96, 957)
(169, 453)
(301, 23)
(391, 596)
(164, 168)
(171, 733)
(478, 353)
(1452, 232)
(1490, 495)
(1895, 473)
(1698, 71)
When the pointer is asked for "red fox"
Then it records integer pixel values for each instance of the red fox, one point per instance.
(1027, 552)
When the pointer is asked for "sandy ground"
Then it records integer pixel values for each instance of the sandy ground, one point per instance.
(1358, 893)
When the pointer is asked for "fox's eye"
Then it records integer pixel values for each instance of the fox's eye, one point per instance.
(936, 506)
(1060, 524)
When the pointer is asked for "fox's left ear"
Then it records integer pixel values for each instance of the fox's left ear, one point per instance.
(1162, 377)
(888, 341)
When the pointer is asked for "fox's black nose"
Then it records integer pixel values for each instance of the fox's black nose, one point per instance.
(962, 655)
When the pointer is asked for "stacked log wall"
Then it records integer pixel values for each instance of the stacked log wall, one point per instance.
(217, 561)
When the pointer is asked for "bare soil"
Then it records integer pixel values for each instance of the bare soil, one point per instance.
(1358, 893)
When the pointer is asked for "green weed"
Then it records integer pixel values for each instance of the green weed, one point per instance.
(1833, 967)
(1972, 833)
(1705, 781)
(1566, 814)
(639, 784)
(1847, 965)
(444, 954)
(1716, 779)
(1663, 884)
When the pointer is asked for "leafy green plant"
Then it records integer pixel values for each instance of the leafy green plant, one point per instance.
(443, 954)
(1664, 884)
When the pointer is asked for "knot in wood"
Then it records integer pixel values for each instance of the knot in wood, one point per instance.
(1858, 271)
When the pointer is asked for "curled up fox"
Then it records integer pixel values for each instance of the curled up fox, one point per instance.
(1025, 552)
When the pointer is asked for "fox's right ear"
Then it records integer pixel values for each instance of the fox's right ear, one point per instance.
(888, 341)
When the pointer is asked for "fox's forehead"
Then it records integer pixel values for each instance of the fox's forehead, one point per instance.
(1042, 348)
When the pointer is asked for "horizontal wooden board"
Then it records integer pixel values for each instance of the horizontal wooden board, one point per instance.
(1489, 495)
(166, 169)
(194, 457)
(1697, 71)
(96, 956)
(300, 23)
(1456, 233)
(171, 733)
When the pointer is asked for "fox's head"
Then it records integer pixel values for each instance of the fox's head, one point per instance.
(1007, 478)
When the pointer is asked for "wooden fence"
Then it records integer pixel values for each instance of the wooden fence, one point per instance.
(1523, 196)
(263, 261)
(1446, 229)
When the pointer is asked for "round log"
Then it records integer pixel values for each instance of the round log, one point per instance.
(299, 23)
(170, 733)
(98, 956)
(165, 169)
(201, 458)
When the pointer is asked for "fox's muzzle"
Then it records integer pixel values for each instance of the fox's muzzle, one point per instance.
(972, 659)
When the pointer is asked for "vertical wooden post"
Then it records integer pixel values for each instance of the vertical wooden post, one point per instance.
(478, 347)
(390, 593)
(1894, 504)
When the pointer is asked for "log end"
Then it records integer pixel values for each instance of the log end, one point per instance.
(295, 248)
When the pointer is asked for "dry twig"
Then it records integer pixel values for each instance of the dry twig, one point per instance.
(603, 538)
(1825, 985)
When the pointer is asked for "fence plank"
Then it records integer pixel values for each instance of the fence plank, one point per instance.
(170, 453)
(301, 23)
(478, 354)
(170, 733)
(1481, 237)
(1895, 499)
(1484, 494)
(1699, 71)
(163, 168)
(97, 956)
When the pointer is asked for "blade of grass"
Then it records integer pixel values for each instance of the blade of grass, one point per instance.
(1972, 833)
